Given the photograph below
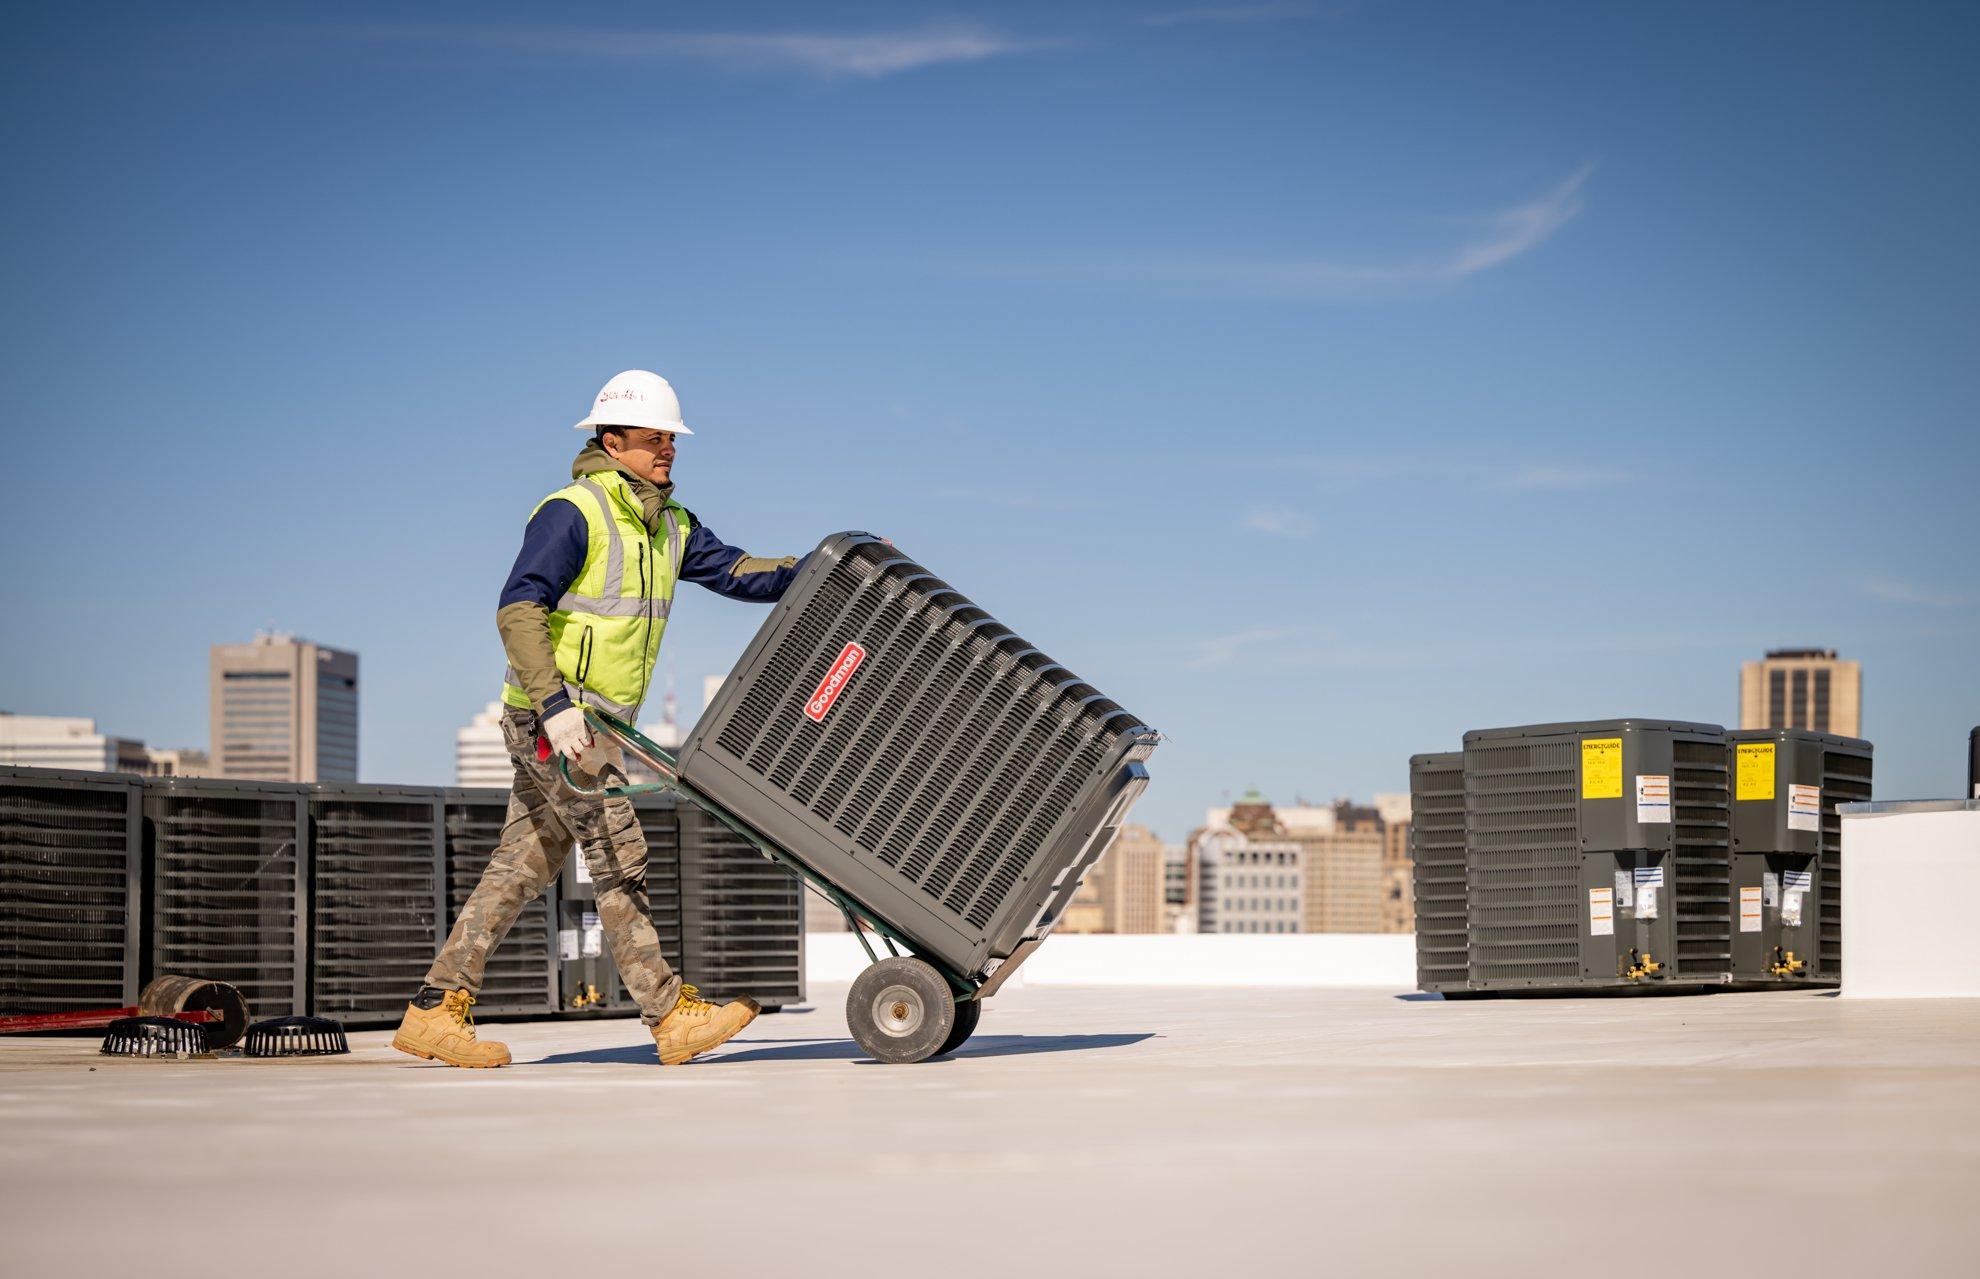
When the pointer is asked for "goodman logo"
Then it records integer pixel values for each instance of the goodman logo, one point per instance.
(834, 683)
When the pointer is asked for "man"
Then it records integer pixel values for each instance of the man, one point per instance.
(581, 620)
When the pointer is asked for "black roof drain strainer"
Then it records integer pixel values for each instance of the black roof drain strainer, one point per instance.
(155, 1037)
(296, 1037)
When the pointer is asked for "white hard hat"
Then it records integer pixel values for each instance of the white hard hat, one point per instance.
(637, 398)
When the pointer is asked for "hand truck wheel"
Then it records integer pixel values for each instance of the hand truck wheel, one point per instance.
(901, 1010)
(968, 1013)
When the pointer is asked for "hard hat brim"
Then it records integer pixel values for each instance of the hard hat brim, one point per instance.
(592, 424)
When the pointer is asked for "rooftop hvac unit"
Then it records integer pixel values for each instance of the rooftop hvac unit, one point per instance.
(228, 881)
(1597, 854)
(70, 864)
(1436, 852)
(1787, 851)
(521, 976)
(899, 743)
(377, 898)
(742, 917)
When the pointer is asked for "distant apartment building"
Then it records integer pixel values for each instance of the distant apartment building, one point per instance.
(1257, 886)
(72, 742)
(481, 753)
(284, 710)
(181, 761)
(1353, 859)
(1802, 688)
(1398, 884)
(1125, 892)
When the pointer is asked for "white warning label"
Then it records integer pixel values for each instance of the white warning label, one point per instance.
(1653, 798)
(1749, 909)
(1601, 912)
(1649, 876)
(594, 935)
(567, 943)
(1804, 808)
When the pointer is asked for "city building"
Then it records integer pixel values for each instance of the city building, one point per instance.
(183, 761)
(62, 741)
(1398, 884)
(1124, 892)
(1354, 860)
(284, 710)
(1802, 688)
(481, 753)
(1250, 885)
(1342, 890)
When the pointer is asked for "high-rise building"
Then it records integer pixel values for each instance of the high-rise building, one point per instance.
(1342, 890)
(181, 761)
(64, 741)
(284, 710)
(1124, 893)
(481, 753)
(1802, 688)
(1398, 884)
(1257, 885)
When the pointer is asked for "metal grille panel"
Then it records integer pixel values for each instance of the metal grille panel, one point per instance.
(1845, 780)
(376, 905)
(521, 975)
(742, 917)
(1522, 862)
(69, 857)
(1701, 805)
(1436, 848)
(229, 879)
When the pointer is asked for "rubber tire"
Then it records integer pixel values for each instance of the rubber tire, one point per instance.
(968, 1013)
(921, 992)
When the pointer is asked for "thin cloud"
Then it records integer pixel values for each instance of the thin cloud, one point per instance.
(1467, 469)
(1222, 650)
(1228, 14)
(1558, 477)
(1503, 236)
(1893, 590)
(1279, 521)
(867, 56)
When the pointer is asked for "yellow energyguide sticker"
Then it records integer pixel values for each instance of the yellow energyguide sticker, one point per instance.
(1601, 768)
(1753, 771)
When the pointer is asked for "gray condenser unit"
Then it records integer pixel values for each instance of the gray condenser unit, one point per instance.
(902, 745)
(1597, 855)
(377, 902)
(1436, 850)
(742, 917)
(70, 876)
(1787, 851)
(229, 887)
(521, 977)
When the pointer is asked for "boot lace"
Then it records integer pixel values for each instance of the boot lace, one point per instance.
(459, 1005)
(692, 1003)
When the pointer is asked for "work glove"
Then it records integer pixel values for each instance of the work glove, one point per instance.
(569, 735)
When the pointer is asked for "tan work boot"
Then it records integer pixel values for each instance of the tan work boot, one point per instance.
(442, 1029)
(696, 1025)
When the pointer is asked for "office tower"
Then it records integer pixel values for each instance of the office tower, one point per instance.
(64, 741)
(1802, 688)
(481, 753)
(1124, 892)
(284, 710)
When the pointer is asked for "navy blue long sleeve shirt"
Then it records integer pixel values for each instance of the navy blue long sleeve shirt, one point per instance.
(553, 553)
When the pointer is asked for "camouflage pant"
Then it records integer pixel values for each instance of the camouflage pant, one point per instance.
(545, 817)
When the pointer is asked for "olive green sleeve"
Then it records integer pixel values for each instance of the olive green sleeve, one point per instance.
(525, 628)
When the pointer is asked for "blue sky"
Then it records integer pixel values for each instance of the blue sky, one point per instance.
(1319, 380)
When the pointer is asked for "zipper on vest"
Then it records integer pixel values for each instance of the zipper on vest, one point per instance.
(584, 655)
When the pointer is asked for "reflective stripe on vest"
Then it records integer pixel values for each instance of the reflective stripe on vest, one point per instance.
(605, 629)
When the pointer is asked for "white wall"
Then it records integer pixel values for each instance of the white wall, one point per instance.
(1911, 892)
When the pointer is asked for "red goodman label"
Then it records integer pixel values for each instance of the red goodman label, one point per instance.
(834, 683)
